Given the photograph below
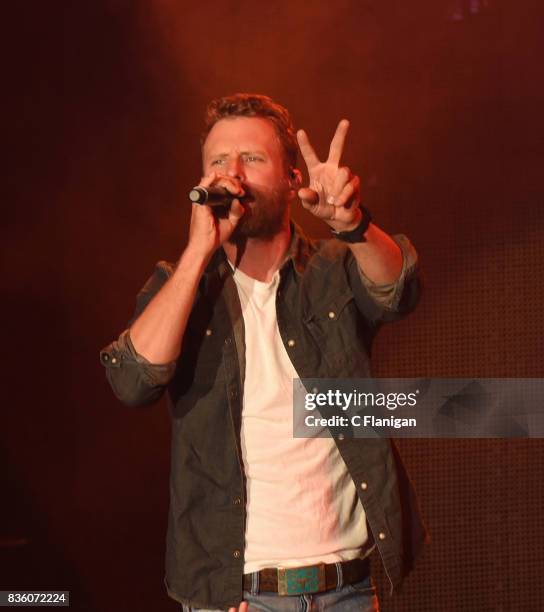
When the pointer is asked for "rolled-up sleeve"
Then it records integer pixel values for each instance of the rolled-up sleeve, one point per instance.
(389, 295)
(134, 380)
(391, 301)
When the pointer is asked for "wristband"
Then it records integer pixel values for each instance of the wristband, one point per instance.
(357, 234)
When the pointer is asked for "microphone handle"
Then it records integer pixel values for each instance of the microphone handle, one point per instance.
(216, 196)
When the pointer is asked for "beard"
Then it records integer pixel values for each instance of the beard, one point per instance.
(264, 215)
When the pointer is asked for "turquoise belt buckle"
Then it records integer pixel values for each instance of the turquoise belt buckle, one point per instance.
(300, 580)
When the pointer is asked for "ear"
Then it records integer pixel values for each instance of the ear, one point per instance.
(295, 178)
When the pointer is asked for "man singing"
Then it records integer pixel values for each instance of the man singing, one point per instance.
(256, 515)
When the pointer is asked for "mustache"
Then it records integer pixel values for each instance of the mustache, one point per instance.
(255, 192)
(249, 193)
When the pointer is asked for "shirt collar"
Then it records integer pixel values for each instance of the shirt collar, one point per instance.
(298, 253)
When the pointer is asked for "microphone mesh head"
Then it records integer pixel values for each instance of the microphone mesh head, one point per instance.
(199, 195)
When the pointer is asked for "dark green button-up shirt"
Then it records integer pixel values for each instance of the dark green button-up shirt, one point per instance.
(206, 527)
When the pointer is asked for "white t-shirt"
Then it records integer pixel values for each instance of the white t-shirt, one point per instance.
(302, 506)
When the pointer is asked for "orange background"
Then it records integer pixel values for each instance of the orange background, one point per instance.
(104, 101)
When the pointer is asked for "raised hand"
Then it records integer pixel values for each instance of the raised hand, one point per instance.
(333, 192)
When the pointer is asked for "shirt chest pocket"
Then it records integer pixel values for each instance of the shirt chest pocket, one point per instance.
(334, 327)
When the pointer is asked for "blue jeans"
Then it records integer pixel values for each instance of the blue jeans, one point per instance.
(358, 597)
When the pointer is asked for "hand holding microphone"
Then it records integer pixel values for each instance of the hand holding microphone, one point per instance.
(216, 212)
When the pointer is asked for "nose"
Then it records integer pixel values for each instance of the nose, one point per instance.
(235, 167)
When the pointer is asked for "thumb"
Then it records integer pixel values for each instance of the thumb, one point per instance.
(308, 196)
(236, 212)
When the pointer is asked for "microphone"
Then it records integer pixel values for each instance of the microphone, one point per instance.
(212, 196)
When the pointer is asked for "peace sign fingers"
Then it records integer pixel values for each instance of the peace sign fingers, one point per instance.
(335, 151)
(307, 151)
(337, 144)
(333, 192)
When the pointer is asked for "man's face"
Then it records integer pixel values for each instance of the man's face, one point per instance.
(249, 149)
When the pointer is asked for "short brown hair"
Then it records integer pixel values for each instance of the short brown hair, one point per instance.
(254, 105)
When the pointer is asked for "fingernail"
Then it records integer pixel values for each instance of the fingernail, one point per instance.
(330, 200)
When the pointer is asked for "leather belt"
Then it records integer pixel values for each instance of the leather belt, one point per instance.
(310, 578)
